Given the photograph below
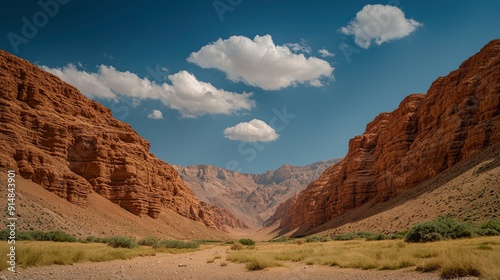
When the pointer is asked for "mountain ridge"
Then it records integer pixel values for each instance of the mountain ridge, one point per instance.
(251, 197)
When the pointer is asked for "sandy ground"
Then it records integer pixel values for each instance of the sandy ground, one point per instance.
(194, 266)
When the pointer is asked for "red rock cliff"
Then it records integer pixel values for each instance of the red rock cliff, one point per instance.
(71, 145)
(425, 135)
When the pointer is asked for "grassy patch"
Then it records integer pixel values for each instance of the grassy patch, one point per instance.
(37, 235)
(42, 253)
(122, 242)
(282, 239)
(450, 258)
(247, 241)
(315, 238)
(237, 246)
(150, 241)
(253, 259)
(366, 235)
(177, 244)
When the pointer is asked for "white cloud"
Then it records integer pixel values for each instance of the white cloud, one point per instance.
(253, 131)
(156, 115)
(325, 53)
(299, 47)
(192, 98)
(379, 23)
(89, 84)
(259, 62)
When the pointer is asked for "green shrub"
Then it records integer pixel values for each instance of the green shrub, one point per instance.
(316, 238)
(150, 241)
(441, 228)
(95, 239)
(179, 244)
(36, 235)
(247, 241)
(431, 237)
(378, 236)
(367, 236)
(492, 226)
(205, 241)
(282, 239)
(4, 234)
(345, 236)
(59, 236)
(122, 242)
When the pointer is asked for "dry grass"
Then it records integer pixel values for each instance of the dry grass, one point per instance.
(212, 259)
(43, 253)
(453, 258)
(254, 259)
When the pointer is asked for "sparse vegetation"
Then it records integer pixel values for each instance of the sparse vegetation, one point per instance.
(150, 241)
(237, 246)
(177, 244)
(42, 253)
(253, 259)
(491, 226)
(95, 239)
(450, 258)
(282, 239)
(445, 227)
(315, 238)
(37, 235)
(122, 242)
(247, 241)
(366, 235)
(369, 236)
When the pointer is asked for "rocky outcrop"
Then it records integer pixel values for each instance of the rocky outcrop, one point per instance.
(425, 135)
(251, 197)
(71, 145)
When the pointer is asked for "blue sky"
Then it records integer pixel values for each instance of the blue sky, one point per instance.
(248, 85)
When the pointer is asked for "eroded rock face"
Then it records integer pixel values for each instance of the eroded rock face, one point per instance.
(251, 197)
(425, 135)
(71, 145)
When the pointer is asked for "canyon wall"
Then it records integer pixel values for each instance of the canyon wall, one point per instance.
(425, 135)
(54, 136)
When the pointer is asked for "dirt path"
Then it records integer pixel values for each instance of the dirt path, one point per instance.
(194, 266)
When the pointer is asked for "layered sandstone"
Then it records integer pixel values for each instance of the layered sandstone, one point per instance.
(70, 145)
(425, 135)
(251, 197)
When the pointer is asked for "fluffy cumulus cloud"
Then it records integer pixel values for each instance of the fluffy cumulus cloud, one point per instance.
(261, 63)
(379, 24)
(252, 131)
(191, 97)
(325, 53)
(156, 115)
(88, 83)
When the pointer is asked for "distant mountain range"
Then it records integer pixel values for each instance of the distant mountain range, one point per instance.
(250, 197)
